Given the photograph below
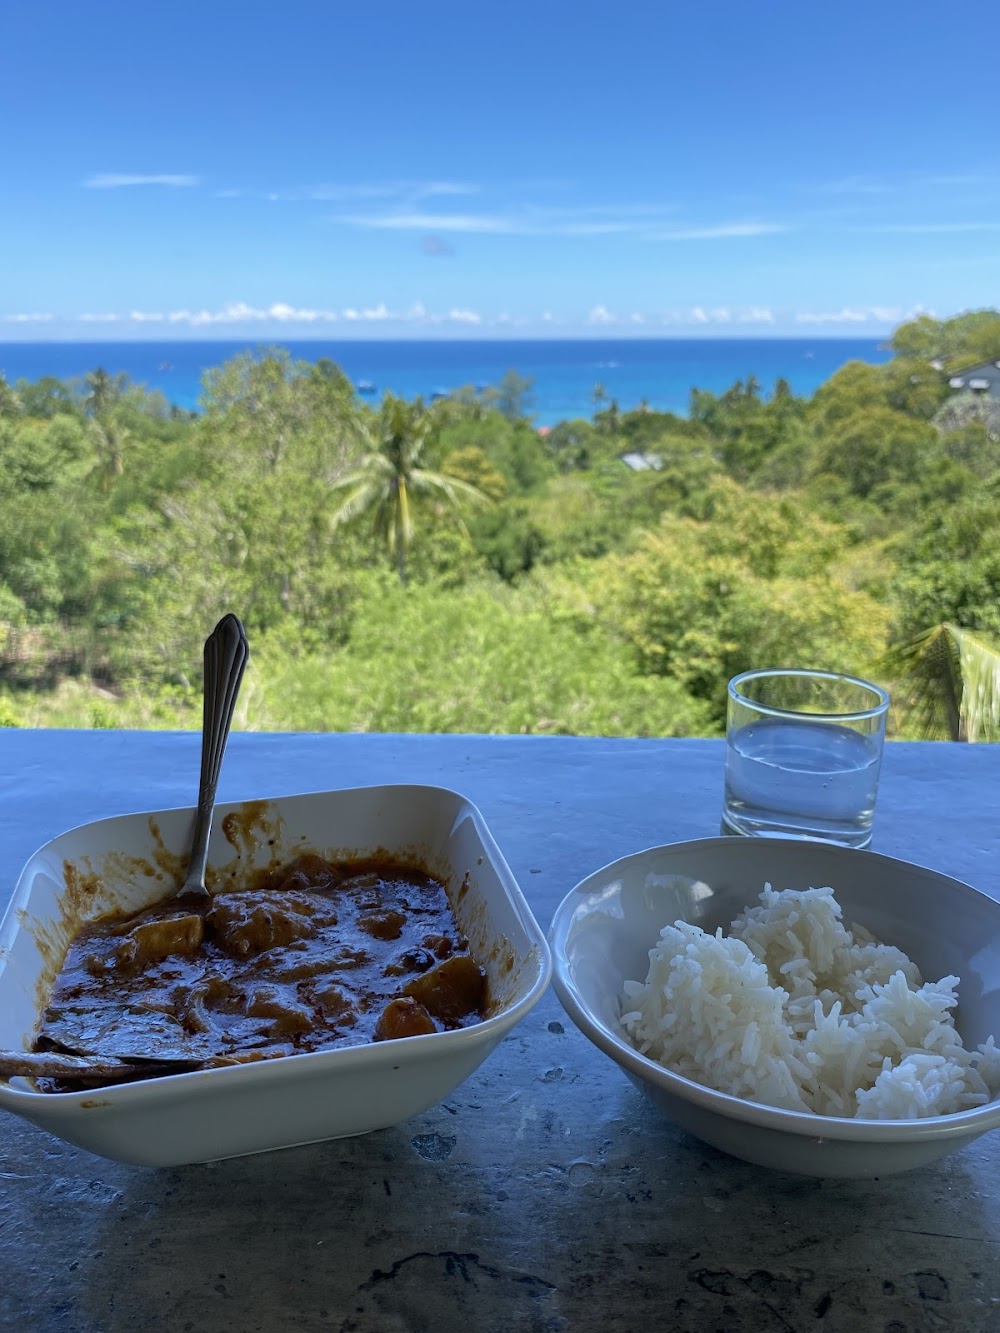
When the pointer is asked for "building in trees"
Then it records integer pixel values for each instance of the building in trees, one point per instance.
(983, 378)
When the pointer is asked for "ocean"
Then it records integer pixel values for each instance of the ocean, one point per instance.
(661, 372)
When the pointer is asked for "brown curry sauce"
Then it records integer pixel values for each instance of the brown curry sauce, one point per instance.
(323, 954)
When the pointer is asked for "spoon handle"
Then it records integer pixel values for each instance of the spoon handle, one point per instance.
(226, 656)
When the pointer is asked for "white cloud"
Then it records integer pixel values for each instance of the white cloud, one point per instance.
(611, 227)
(405, 192)
(418, 315)
(721, 231)
(899, 181)
(239, 312)
(931, 228)
(845, 316)
(446, 187)
(433, 222)
(873, 314)
(284, 312)
(722, 315)
(114, 181)
(632, 220)
(289, 314)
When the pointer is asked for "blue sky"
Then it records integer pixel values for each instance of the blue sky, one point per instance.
(443, 169)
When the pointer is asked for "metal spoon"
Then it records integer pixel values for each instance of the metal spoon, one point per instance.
(226, 655)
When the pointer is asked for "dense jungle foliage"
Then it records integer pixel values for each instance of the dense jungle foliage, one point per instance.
(450, 567)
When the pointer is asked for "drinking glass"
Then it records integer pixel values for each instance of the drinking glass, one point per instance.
(803, 754)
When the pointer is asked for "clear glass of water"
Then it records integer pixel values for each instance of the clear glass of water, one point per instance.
(803, 754)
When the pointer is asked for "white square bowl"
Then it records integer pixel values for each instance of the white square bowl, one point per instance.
(603, 931)
(131, 861)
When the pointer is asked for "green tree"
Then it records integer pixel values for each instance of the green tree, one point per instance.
(391, 477)
(109, 439)
(103, 391)
(949, 569)
(744, 428)
(472, 465)
(700, 601)
(488, 658)
(45, 397)
(571, 445)
(41, 453)
(970, 431)
(514, 396)
(608, 420)
(509, 538)
(961, 341)
(10, 405)
(514, 448)
(874, 446)
(264, 404)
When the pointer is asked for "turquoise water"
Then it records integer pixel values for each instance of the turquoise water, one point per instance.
(662, 371)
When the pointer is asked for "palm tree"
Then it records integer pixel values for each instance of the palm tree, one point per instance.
(390, 474)
(953, 679)
(109, 439)
(103, 391)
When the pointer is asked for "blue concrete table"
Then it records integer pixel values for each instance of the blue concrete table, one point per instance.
(545, 1194)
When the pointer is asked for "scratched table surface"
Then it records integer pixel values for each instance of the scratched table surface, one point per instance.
(545, 1193)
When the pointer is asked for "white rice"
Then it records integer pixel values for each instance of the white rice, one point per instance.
(794, 1010)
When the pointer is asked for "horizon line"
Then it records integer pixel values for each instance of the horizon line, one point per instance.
(729, 335)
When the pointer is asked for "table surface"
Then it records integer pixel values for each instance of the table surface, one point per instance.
(545, 1193)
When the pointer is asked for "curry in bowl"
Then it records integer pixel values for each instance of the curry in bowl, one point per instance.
(360, 855)
(319, 954)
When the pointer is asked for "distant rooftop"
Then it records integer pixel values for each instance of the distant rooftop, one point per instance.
(981, 378)
(642, 462)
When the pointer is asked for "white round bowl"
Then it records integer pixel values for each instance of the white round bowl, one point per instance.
(603, 930)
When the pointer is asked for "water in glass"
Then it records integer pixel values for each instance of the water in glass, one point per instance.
(800, 779)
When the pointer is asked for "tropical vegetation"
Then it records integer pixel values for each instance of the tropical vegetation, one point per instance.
(405, 566)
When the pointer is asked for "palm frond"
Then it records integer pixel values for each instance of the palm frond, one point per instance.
(452, 488)
(980, 669)
(373, 467)
(348, 481)
(363, 497)
(951, 677)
